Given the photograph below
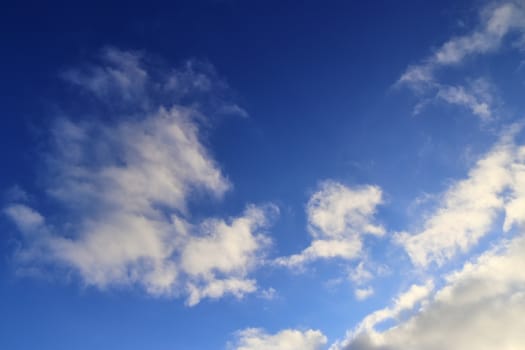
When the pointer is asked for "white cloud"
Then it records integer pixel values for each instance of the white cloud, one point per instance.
(515, 202)
(363, 293)
(337, 210)
(360, 274)
(469, 208)
(288, 339)
(268, 294)
(497, 21)
(215, 289)
(133, 165)
(228, 249)
(123, 187)
(406, 301)
(26, 219)
(480, 307)
(477, 98)
(337, 218)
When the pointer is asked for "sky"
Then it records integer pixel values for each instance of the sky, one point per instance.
(248, 175)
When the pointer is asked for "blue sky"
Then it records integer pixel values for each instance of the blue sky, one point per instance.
(238, 175)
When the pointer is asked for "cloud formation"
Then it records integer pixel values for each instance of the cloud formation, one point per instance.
(468, 210)
(498, 21)
(338, 217)
(288, 339)
(123, 186)
(481, 307)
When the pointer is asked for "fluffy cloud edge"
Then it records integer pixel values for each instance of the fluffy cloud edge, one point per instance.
(338, 217)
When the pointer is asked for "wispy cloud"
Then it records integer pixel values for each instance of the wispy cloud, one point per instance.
(497, 21)
(120, 76)
(477, 97)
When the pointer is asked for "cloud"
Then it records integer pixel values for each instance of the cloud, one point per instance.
(469, 208)
(268, 294)
(338, 216)
(226, 250)
(360, 274)
(120, 75)
(515, 200)
(288, 339)
(132, 81)
(122, 189)
(406, 301)
(26, 219)
(497, 21)
(363, 293)
(477, 97)
(481, 307)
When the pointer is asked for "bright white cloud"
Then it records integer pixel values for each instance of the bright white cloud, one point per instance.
(124, 187)
(469, 208)
(228, 249)
(480, 307)
(337, 210)
(288, 339)
(338, 216)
